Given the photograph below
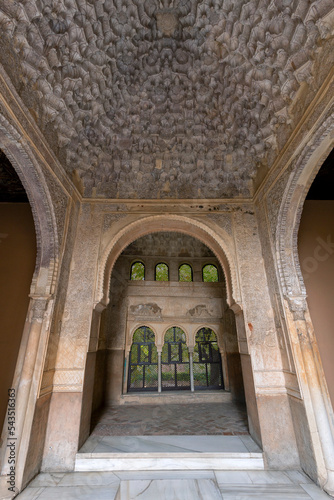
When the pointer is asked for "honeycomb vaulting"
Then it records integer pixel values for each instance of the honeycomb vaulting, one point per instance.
(171, 98)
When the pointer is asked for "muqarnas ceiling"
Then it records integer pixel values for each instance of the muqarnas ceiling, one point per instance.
(165, 99)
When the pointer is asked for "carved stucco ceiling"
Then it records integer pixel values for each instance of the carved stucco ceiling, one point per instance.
(171, 98)
(168, 245)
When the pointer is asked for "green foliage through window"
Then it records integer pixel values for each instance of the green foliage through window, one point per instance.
(185, 273)
(161, 272)
(137, 271)
(210, 273)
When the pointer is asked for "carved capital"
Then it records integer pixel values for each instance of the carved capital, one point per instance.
(297, 306)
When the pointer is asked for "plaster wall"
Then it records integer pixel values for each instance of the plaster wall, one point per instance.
(17, 262)
(316, 254)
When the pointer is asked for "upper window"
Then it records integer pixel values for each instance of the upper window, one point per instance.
(210, 273)
(185, 273)
(161, 272)
(137, 271)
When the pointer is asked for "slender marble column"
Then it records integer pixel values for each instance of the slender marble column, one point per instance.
(159, 371)
(126, 372)
(192, 388)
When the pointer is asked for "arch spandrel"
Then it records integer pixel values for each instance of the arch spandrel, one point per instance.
(218, 241)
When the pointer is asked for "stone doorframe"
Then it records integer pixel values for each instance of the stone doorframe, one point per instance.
(302, 338)
(30, 361)
(223, 246)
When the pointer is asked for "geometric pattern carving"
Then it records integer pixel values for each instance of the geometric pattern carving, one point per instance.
(68, 381)
(164, 98)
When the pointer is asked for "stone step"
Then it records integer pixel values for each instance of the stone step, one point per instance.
(89, 462)
(125, 453)
(175, 397)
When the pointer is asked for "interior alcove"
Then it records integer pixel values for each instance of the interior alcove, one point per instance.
(316, 256)
(17, 263)
(161, 305)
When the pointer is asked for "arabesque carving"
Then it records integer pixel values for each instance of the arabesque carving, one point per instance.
(170, 98)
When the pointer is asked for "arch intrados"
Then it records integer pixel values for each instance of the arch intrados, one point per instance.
(165, 223)
(307, 167)
(32, 180)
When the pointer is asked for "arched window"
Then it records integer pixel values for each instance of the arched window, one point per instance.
(185, 273)
(143, 361)
(161, 272)
(210, 273)
(175, 368)
(137, 271)
(207, 365)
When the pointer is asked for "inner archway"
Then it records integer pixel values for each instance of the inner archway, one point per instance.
(17, 264)
(316, 257)
(158, 336)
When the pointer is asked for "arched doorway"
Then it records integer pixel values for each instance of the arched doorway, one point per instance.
(207, 361)
(17, 264)
(317, 406)
(175, 366)
(153, 328)
(316, 256)
(39, 302)
(143, 361)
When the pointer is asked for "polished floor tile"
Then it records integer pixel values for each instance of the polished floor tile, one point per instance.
(266, 492)
(174, 485)
(176, 489)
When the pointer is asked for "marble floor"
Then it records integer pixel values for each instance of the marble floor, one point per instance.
(223, 418)
(173, 485)
(145, 453)
(170, 444)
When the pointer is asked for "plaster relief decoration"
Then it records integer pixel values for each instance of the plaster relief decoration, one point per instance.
(200, 311)
(150, 309)
(170, 98)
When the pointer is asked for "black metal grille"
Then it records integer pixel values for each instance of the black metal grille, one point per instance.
(207, 361)
(143, 361)
(175, 369)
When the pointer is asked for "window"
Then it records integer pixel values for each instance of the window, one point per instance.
(161, 272)
(210, 273)
(185, 273)
(175, 368)
(207, 361)
(137, 271)
(143, 361)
